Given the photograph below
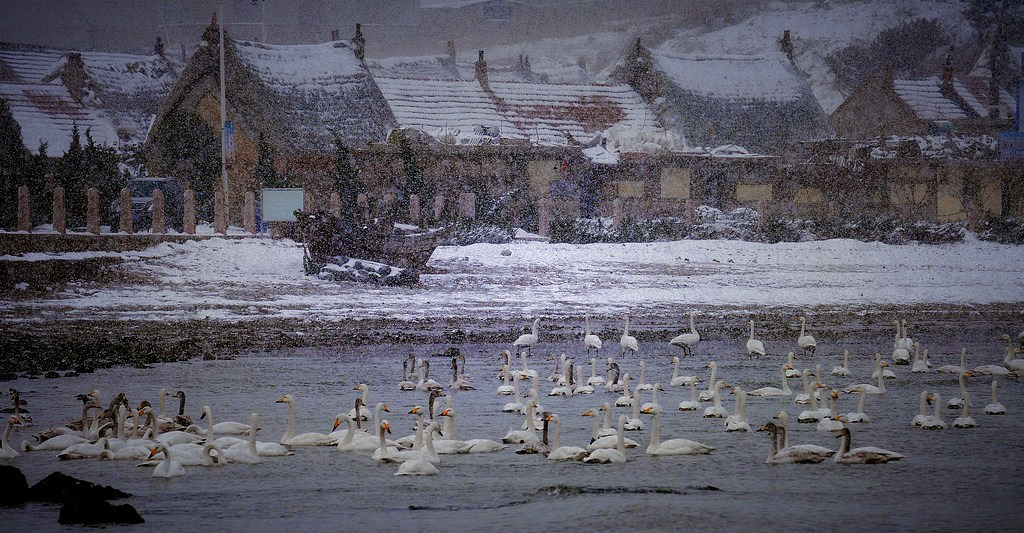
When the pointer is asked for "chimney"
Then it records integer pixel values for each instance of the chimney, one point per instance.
(73, 76)
(786, 44)
(451, 50)
(335, 35)
(359, 42)
(213, 19)
(158, 48)
(947, 73)
(481, 71)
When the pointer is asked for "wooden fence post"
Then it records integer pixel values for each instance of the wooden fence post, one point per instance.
(92, 216)
(24, 209)
(336, 205)
(249, 213)
(188, 219)
(616, 212)
(467, 205)
(544, 217)
(220, 222)
(414, 209)
(158, 223)
(126, 211)
(438, 207)
(60, 213)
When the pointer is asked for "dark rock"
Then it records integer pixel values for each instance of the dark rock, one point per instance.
(92, 509)
(60, 487)
(506, 252)
(13, 486)
(51, 374)
(71, 374)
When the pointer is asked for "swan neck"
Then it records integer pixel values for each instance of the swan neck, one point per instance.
(785, 383)
(289, 431)
(557, 443)
(252, 437)
(774, 447)
(621, 442)
(655, 433)
(863, 400)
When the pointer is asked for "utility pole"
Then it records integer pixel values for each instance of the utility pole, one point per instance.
(223, 117)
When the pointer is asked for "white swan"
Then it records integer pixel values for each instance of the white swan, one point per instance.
(865, 455)
(806, 342)
(627, 341)
(406, 384)
(965, 421)
(886, 373)
(775, 391)
(799, 454)
(900, 352)
(859, 416)
(594, 379)
(506, 388)
(935, 421)
(954, 369)
(793, 372)
(1015, 365)
(754, 346)
(998, 370)
(559, 452)
(922, 409)
(920, 363)
(84, 450)
(653, 404)
(634, 423)
(6, 450)
(707, 395)
(803, 397)
(517, 405)
(813, 414)
(615, 455)
(354, 440)
(867, 387)
(738, 421)
(168, 467)
(716, 410)
(246, 452)
(688, 340)
(304, 439)
(516, 436)
(580, 387)
(672, 446)
(384, 453)
(905, 342)
(844, 369)
(626, 399)
(692, 404)
(995, 408)
(527, 340)
(590, 340)
(605, 439)
(831, 422)
(426, 383)
(416, 467)
(642, 383)
(221, 428)
(475, 445)
(957, 403)
(677, 380)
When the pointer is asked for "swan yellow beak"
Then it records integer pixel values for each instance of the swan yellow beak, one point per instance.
(446, 412)
(15, 420)
(280, 400)
(884, 364)
(646, 411)
(835, 394)
(387, 427)
(415, 410)
(336, 424)
(590, 412)
(153, 452)
(385, 408)
(547, 418)
(356, 387)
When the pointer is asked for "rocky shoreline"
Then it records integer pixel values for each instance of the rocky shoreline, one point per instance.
(58, 348)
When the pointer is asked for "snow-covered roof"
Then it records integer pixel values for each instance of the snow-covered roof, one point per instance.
(128, 88)
(926, 99)
(321, 90)
(547, 114)
(48, 113)
(975, 91)
(768, 77)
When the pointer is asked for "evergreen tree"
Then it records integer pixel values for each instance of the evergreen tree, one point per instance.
(101, 171)
(36, 176)
(415, 182)
(189, 149)
(265, 172)
(346, 182)
(70, 173)
(12, 162)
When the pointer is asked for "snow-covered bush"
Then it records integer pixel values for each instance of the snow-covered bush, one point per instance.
(1006, 230)
(465, 234)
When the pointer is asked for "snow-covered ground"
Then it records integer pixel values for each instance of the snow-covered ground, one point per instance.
(242, 279)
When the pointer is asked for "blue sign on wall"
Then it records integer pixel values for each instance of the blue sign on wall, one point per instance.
(279, 205)
(1011, 145)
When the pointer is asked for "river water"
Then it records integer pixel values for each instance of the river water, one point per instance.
(950, 480)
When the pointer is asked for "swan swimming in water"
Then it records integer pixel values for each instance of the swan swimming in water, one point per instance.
(800, 454)
(995, 408)
(738, 421)
(754, 346)
(844, 369)
(304, 439)
(559, 452)
(707, 395)
(965, 421)
(679, 381)
(716, 410)
(775, 391)
(692, 404)
(997, 370)
(671, 446)
(615, 455)
(6, 451)
(866, 455)
(168, 467)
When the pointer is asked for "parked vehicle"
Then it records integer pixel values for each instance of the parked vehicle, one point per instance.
(142, 190)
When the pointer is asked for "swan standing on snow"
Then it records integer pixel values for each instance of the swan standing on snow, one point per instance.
(590, 340)
(671, 446)
(964, 421)
(627, 341)
(775, 391)
(615, 455)
(806, 342)
(305, 439)
(754, 346)
(843, 370)
(559, 452)
(866, 455)
(527, 340)
(688, 340)
(168, 467)
(800, 454)
(995, 408)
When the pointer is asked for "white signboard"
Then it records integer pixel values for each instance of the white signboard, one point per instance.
(279, 205)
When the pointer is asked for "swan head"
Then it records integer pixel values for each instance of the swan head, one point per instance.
(206, 412)
(711, 364)
(415, 410)
(552, 417)
(287, 398)
(675, 359)
(769, 427)
(385, 427)
(362, 387)
(383, 407)
(929, 397)
(448, 412)
(13, 421)
(884, 364)
(179, 394)
(835, 393)
(590, 412)
(142, 405)
(651, 410)
(155, 450)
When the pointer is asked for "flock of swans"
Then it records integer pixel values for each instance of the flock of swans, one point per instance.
(171, 442)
